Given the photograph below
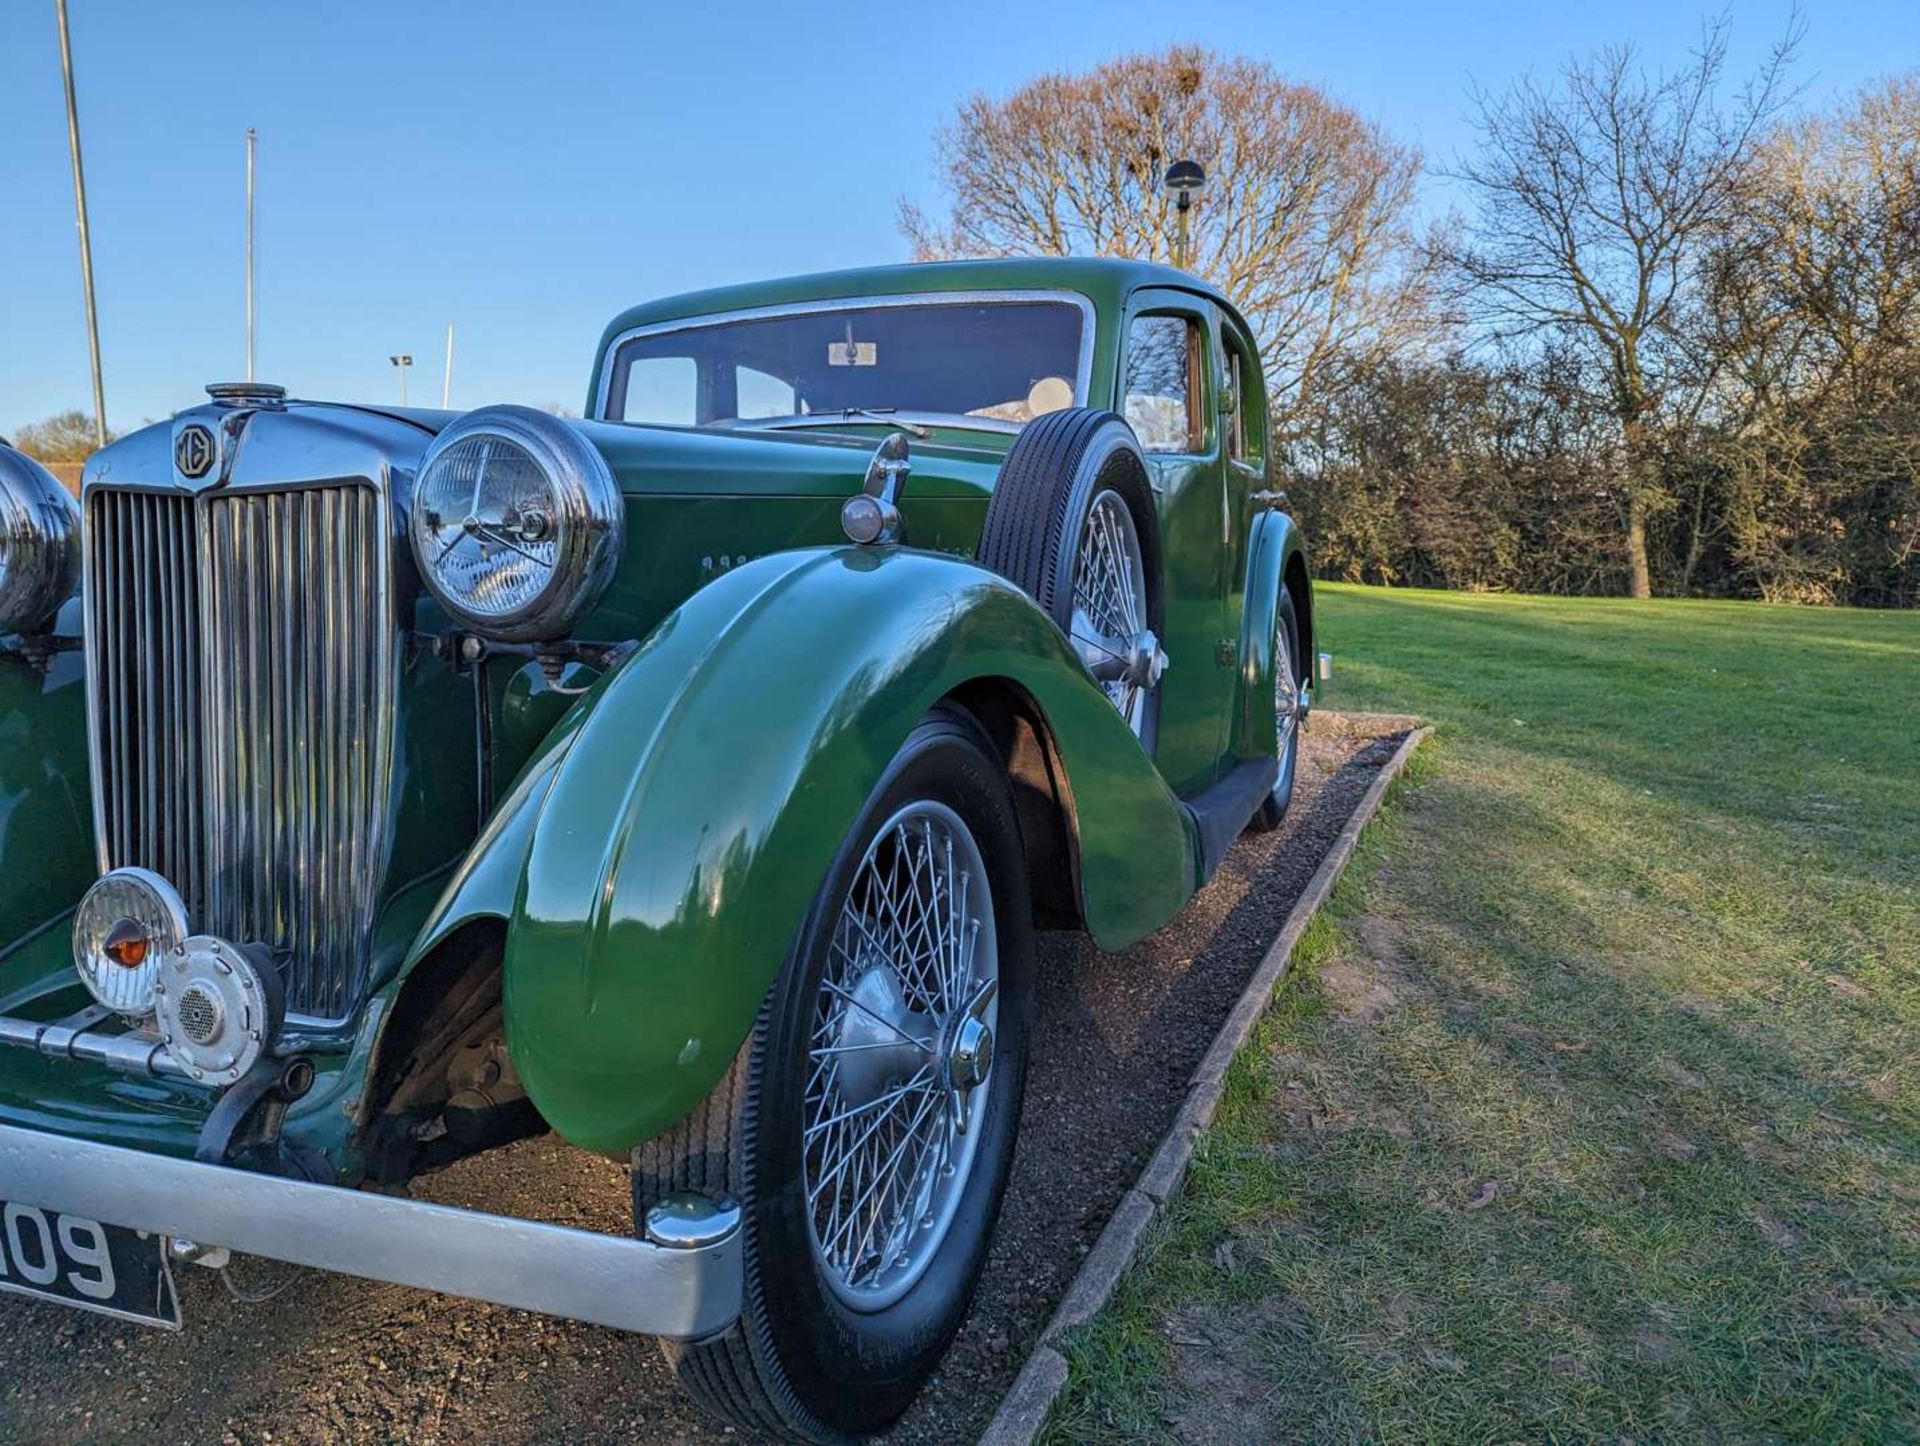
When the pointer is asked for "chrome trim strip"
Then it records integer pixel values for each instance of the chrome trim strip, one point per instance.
(629, 1284)
(1082, 381)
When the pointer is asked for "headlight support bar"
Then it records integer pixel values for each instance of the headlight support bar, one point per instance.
(76, 1038)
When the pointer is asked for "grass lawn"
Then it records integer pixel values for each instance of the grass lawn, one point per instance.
(1591, 1109)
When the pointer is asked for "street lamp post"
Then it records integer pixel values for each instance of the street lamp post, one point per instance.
(1184, 181)
(86, 240)
(401, 363)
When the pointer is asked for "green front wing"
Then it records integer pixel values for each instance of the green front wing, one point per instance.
(656, 857)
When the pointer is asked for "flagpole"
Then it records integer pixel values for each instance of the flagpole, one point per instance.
(86, 240)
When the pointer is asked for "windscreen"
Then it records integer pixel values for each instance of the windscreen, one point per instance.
(1001, 361)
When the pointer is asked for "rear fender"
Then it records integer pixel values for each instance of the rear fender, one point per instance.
(1276, 559)
(657, 855)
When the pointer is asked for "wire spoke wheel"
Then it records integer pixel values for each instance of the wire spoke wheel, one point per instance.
(1286, 695)
(1110, 628)
(900, 1058)
(1073, 522)
(868, 1122)
(1290, 704)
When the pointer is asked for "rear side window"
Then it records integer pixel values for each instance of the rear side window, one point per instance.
(1162, 390)
(1247, 427)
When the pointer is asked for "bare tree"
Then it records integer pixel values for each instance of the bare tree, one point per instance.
(1305, 221)
(1594, 203)
(1814, 308)
(63, 437)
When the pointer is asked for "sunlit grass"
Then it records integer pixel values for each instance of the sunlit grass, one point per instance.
(1592, 1106)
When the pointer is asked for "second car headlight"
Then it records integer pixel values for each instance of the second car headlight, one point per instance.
(517, 523)
(39, 543)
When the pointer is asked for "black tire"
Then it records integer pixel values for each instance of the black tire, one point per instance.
(1273, 808)
(1056, 467)
(801, 1364)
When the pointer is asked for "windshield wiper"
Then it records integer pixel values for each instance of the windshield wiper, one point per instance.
(827, 417)
(877, 414)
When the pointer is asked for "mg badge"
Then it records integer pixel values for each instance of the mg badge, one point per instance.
(193, 451)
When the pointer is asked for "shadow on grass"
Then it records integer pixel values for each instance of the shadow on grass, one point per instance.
(1529, 1151)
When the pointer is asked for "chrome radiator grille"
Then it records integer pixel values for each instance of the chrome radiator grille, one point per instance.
(240, 663)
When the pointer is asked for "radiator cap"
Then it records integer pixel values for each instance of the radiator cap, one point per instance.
(248, 394)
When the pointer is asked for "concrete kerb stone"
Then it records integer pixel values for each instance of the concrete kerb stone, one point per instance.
(1028, 1400)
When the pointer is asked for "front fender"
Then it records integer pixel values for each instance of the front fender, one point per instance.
(47, 855)
(666, 843)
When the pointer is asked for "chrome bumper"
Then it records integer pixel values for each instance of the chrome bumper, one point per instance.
(683, 1282)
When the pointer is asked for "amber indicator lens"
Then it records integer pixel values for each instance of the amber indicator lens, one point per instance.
(127, 944)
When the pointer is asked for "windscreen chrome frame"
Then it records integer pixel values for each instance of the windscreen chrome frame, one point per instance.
(1083, 375)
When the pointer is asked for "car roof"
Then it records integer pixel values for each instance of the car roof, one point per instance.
(1106, 281)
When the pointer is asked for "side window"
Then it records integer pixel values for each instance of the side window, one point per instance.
(1162, 391)
(760, 394)
(663, 390)
(1247, 428)
(1237, 422)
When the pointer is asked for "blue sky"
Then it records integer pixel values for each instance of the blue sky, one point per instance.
(528, 170)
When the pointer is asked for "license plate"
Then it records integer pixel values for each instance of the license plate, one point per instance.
(79, 1262)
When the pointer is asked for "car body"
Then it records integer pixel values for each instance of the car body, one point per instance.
(521, 881)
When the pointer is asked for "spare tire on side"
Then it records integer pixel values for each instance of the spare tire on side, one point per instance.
(1072, 522)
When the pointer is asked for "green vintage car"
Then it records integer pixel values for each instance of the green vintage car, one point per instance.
(382, 786)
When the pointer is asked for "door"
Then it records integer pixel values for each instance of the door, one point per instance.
(1168, 394)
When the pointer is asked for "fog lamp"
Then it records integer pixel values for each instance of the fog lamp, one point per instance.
(126, 924)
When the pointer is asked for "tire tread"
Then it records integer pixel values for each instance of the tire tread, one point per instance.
(1028, 510)
(707, 1152)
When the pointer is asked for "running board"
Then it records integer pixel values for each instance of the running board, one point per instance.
(1221, 811)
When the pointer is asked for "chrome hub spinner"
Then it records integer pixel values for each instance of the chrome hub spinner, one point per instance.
(971, 1056)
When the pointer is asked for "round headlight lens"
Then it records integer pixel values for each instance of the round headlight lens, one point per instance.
(517, 523)
(39, 543)
(128, 922)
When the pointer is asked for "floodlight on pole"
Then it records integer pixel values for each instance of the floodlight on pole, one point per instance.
(1184, 181)
(86, 239)
(250, 141)
(401, 363)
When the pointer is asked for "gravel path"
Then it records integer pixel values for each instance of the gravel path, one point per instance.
(334, 1359)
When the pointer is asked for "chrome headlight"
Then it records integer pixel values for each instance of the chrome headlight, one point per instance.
(39, 543)
(127, 923)
(517, 523)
